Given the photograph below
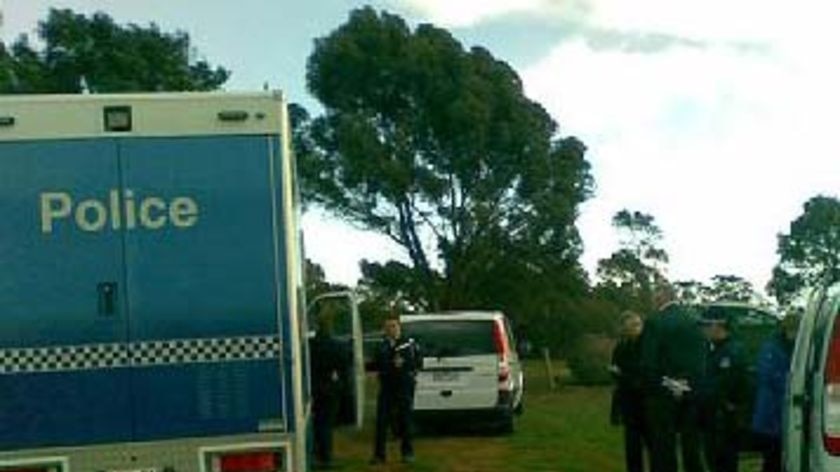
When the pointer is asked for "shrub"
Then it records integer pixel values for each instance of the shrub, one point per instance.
(590, 358)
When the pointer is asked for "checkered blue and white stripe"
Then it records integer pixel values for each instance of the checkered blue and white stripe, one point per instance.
(138, 354)
(191, 351)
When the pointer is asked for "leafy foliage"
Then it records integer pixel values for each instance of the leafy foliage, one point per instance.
(641, 236)
(438, 148)
(96, 54)
(809, 254)
(730, 288)
(633, 275)
(733, 288)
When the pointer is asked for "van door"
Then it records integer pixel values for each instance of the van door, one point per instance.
(342, 309)
(63, 358)
(799, 395)
(460, 364)
(823, 438)
(206, 295)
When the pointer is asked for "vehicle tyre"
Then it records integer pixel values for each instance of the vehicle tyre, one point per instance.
(506, 426)
(520, 408)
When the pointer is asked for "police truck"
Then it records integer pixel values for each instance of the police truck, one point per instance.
(152, 312)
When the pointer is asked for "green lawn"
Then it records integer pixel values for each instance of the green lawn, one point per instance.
(562, 431)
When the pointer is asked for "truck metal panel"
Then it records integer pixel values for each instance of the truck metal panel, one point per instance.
(45, 117)
(214, 280)
(150, 303)
(56, 342)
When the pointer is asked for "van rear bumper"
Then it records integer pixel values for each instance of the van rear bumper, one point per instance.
(495, 415)
(471, 415)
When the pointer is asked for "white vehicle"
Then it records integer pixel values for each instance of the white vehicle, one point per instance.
(471, 370)
(812, 402)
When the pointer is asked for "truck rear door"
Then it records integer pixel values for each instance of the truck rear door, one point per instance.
(62, 314)
(202, 281)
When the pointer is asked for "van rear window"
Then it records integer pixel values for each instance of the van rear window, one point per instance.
(452, 338)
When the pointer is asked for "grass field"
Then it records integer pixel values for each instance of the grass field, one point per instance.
(566, 430)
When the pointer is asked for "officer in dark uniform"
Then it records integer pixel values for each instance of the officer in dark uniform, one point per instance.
(628, 396)
(726, 392)
(673, 365)
(329, 365)
(396, 360)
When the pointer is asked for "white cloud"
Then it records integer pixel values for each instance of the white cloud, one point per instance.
(741, 21)
(722, 147)
(722, 143)
(709, 19)
(18, 17)
(338, 246)
(469, 12)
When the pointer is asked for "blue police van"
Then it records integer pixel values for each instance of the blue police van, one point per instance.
(152, 314)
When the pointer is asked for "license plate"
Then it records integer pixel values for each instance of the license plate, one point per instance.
(445, 376)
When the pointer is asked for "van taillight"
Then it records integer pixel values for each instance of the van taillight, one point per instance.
(831, 400)
(500, 340)
(503, 350)
(504, 373)
(263, 461)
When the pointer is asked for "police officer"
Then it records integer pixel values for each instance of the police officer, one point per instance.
(628, 395)
(329, 365)
(726, 391)
(673, 365)
(396, 360)
(772, 378)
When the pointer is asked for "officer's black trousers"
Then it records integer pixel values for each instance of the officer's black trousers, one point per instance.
(721, 440)
(635, 438)
(324, 409)
(394, 407)
(771, 451)
(669, 419)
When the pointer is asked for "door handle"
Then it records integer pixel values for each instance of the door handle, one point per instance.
(107, 298)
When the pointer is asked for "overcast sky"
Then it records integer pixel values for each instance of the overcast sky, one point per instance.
(718, 116)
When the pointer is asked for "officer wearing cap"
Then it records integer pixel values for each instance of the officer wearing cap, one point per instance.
(397, 360)
(726, 391)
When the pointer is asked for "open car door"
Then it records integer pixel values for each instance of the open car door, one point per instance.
(342, 308)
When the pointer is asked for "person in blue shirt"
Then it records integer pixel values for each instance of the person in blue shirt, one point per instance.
(772, 372)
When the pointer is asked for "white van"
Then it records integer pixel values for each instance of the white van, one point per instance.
(812, 401)
(471, 371)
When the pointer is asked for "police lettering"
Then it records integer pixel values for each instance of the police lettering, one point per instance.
(117, 212)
